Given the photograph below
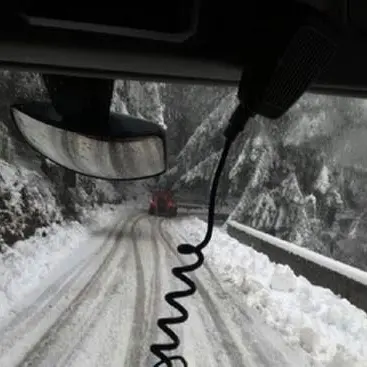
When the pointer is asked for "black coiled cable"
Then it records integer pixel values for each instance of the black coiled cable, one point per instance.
(236, 124)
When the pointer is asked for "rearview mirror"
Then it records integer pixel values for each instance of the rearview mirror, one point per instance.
(126, 148)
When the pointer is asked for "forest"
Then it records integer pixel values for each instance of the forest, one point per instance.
(302, 178)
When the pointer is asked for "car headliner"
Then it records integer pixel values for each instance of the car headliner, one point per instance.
(217, 52)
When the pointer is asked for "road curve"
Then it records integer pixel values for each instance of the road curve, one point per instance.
(104, 312)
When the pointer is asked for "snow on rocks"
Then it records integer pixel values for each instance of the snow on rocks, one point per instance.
(283, 279)
(329, 328)
(309, 339)
(342, 359)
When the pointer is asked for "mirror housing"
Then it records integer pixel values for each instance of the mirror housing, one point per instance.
(123, 148)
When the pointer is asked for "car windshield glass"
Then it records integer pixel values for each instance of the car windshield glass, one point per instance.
(89, 261)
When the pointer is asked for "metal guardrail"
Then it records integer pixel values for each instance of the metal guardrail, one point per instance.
(342, 279)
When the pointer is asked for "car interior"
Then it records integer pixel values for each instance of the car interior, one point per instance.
(201, 41)
(273, 51)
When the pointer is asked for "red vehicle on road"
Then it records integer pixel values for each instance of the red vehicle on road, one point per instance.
(162, 203)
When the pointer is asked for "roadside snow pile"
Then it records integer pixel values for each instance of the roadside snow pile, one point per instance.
(29, 262)
(27, 268)
(26, 203)
(330, 329)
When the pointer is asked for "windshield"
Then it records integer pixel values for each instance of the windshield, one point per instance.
(85, 263)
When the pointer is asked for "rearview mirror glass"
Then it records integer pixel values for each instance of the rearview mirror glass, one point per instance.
(126, 148)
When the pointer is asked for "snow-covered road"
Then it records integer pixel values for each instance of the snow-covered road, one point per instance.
(103, 310)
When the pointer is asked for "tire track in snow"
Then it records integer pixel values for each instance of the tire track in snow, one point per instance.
(146, 300)
(113, 288)
(233, 352)
(155, 291)
(68, 355)
(137, 331)
(173, 282)
(263, 359)
(29, 318)
(40, 350)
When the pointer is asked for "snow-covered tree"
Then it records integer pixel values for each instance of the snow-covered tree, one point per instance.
(294, 221)
(186, 107)
(6, 144)
(202, 173)
(117, 104)
(200, 176)
(262, 213)
(322, 183)
(141, 99)
(206, 139)
(290, 190)
(239, 163)
(259, 163)
(310, 206)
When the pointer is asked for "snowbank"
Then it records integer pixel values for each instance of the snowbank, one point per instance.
(330, 329)
(31, 265)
